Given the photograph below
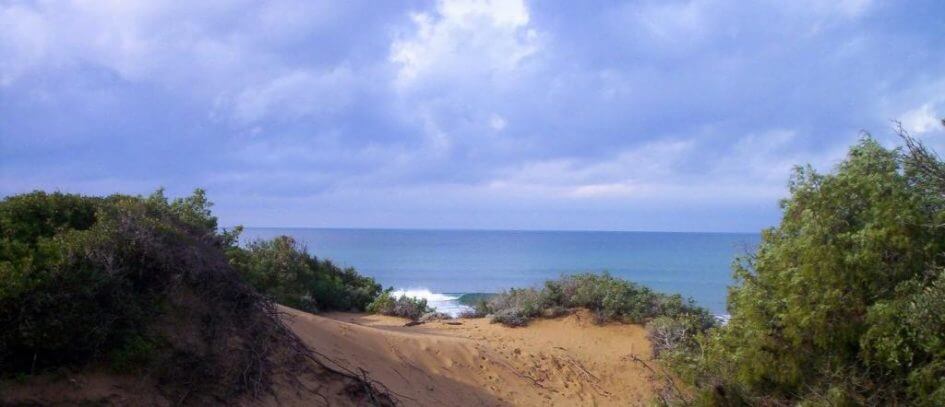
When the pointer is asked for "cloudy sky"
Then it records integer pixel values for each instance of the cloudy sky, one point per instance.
(641, 115)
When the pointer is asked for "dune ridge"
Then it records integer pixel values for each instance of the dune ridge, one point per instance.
(565, 361)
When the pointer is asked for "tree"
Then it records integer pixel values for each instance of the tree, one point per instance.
(811, 308)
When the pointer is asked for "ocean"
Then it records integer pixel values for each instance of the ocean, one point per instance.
(441, 265)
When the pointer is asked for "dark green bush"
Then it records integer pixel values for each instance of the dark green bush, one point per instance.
(284, 270)
(79, 276)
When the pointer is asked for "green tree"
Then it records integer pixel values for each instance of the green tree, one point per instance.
(812, 303)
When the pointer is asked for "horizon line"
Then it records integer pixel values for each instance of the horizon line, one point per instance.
(422, 229)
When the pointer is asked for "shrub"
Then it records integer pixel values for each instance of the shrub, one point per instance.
(403, 306)
(137, 284)
(284, 270)
(609, 298)
(510, 317)
(838, 305)
(83, 278)
(673, 334)
(83, 284)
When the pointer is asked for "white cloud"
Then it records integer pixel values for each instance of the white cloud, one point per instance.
(23, 43)
(921, 120)
(632, 173)
(673, 22)
(295, 95)
(465, 37)
(217, 53)
(755, 167)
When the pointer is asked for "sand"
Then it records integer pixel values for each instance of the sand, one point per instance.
(561, 362)
(565, 361)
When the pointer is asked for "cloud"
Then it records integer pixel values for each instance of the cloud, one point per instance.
(923, 119)
(463, 39)
(294, 96)
(636, 114)
(25, 43)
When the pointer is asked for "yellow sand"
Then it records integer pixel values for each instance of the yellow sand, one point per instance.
(563, 362)
(566, 361)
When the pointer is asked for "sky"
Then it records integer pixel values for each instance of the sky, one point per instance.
(641, 115)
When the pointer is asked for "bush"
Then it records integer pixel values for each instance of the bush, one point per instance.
(511, 317)
(842, 303)
(84, 278)
(609, 298)
(403, 306)
(80, 276)
(140, 285)
(284, 270)
(669, 334)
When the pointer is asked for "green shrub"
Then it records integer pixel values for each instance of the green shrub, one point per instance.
(81, 276)
(403, 306)
(284, 270)
(609, 298)
(837, 306)
(906, 339)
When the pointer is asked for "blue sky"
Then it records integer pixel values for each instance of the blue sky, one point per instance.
(640, 115)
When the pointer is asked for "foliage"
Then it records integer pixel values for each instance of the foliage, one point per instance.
(906, 338)
(674, 334)
(143, 285)
(284, 270)
(840, 304)
(610, 298)
(79, 275)
(403, 306)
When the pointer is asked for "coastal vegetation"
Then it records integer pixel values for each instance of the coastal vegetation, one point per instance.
(843, 303)
(284, 270)
(607, 297)
(150, 286)
(403, 306)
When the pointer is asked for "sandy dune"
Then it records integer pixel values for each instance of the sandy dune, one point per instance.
(567, 361)
(563, 362)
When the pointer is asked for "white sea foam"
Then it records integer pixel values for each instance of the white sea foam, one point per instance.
(446, 303)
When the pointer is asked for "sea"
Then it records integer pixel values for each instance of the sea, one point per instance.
(442, 265)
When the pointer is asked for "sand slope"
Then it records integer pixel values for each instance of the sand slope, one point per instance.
(567, 361)
(564, 362)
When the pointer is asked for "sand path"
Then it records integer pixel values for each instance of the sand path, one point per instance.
(565, 361)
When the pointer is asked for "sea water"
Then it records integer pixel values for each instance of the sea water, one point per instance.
(441, 265)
